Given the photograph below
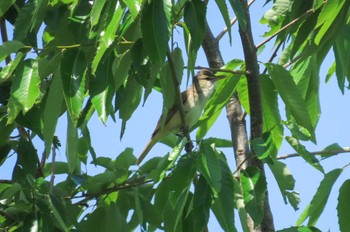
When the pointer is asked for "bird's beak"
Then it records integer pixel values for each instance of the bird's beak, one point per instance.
(216, 78)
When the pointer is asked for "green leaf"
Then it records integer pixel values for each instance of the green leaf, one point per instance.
(219, 142)
(328, 14)
(208, 165)
(72, 147)
(290, 95)
(52, 110)
(96, 12)
(201, 204)
(238, 8)
(223, 92)
(55, 213)
(134, 7)
(332, 149)
(9, 47)
(125, 159)
(26, 164)
(285, 181)
(300, 229)
(341, 53)
(6, 130)
(25, 89)
(226, 16)
(120, 68)
(343, 206)
(108, 36)
(271, 113)
(129, 98)
(239, 205)
(318, 202)
(254, 188)
(102, 90)
(298, 147)
(306, 75)
(7, 71)
(73, 72)
(263, 146)
(104, 219)
(182, 177)
(223, 206)
(29, 17)
(5, 5)
(194, 17)
(155, 26)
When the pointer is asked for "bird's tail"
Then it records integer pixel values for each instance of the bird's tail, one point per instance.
(145, 151)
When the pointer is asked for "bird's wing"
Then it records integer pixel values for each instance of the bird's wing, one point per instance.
(171, 112)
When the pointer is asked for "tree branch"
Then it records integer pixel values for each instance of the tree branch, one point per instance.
(4, 37)
(256, 118)
(178, 101)
(234, 109)
(291, 23)
(329, 152)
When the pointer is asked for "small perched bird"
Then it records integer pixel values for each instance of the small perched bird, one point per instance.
(193, 100)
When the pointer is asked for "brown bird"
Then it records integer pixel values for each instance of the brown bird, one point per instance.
(193, 100)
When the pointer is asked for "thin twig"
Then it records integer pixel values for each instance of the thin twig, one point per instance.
(324, 152)
(233, 21)
(89, 196)
(178, 101)
(239, 72)
(291, 23)
(274, 54)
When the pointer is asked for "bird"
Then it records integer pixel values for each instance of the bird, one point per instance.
(193, 100)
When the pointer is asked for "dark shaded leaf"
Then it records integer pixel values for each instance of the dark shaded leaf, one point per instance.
(223, 206)
(254, 187)
(155, 26)
(343, 206)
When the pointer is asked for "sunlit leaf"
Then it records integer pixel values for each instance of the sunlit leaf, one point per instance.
(7, 71)
(314, 210)
(107, 36)
(327, 16)
(25, 88)
(134, 7)
(254, 187)
(290, 95)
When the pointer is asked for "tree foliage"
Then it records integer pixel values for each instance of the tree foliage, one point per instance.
(75, 58)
